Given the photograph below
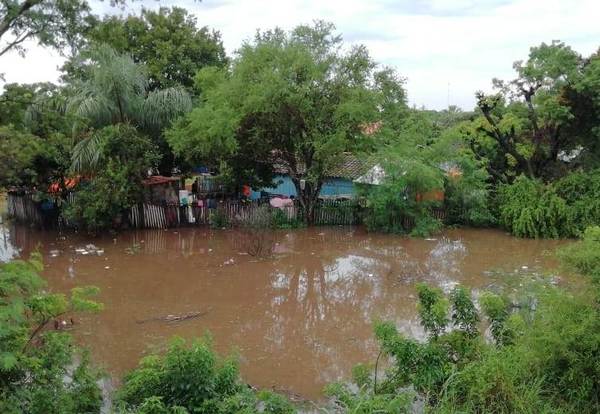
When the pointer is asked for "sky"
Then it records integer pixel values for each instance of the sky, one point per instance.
(446, 49)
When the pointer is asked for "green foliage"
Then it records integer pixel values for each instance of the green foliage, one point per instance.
(581, 192)
(419, 160)
(41, 371)
(395, 200)
(584, 256)
(219, 219)
(496, 309)
(467, 188)
(433, 310)
(564, 208)
(56, 24)
(115, 91)
(195, 379)
(282, 221)
(464, 313)
(179, 49)
(529, 208)
(103, 201)
(295, 99)
(14, 101)
(34, 142)
(18, 151)
(535, 117)
(543, 358)
(347, 400)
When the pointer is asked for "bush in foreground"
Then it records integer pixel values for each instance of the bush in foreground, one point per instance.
(541, 356)
(193, 379)
(41, 371)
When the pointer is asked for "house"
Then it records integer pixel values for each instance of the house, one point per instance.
(339, 182)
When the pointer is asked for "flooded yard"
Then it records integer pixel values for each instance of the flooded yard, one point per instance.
(299, 319)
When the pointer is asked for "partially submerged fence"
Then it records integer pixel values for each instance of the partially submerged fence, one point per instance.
(328, 212)
(25, 209)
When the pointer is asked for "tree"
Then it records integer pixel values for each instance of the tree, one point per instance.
(168, 42)
(40, 369)
(118, 165)
(35, 138)
(56, 24)
(291, 100)
(117, 93)
(14, 102)
(17, 154)
(530, 121)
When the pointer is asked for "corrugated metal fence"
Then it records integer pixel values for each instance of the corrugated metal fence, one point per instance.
(23, 208)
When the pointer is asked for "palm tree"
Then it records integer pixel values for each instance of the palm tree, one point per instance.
(116, 91)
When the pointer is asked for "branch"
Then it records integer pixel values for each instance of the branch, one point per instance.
(39, 329)
(10, 18)
(528, 94)
(18, 42)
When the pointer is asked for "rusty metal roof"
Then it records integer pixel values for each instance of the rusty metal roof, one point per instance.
(159, 179)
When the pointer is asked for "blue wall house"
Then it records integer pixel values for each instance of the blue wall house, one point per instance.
(338, 184)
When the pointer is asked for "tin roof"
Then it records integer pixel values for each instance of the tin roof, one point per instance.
(349, 166)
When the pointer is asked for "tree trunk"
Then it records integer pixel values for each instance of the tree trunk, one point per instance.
(308, 198)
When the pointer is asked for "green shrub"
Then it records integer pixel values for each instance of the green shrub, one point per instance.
(348, 400)
(393, 204)
(528, 208)
(193, 378)
(467, 198)
(124, 157)
(584, 256)
(218, 219)
(544, 357)
(104, 201)
(41, 371)
(581, 192)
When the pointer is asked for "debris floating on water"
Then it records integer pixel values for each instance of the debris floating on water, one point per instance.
(89, 249)
(175, 318)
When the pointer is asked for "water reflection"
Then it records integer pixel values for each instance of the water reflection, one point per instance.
(299, 319)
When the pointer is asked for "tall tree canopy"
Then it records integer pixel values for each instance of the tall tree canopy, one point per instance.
(116, 92)
(293, 100)
(167, 41)
(57, 24)
(35, 135)
(541, 115)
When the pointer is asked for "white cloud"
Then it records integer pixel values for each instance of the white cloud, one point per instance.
(434, 43)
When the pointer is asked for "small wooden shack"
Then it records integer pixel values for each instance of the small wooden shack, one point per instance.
(162, 190)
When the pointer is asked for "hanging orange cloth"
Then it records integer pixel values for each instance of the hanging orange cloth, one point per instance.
(246, 191)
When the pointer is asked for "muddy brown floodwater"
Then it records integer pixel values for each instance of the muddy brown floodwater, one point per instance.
(298, 320)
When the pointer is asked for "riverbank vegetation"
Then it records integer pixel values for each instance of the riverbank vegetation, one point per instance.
(41, 370)
(539, 357)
